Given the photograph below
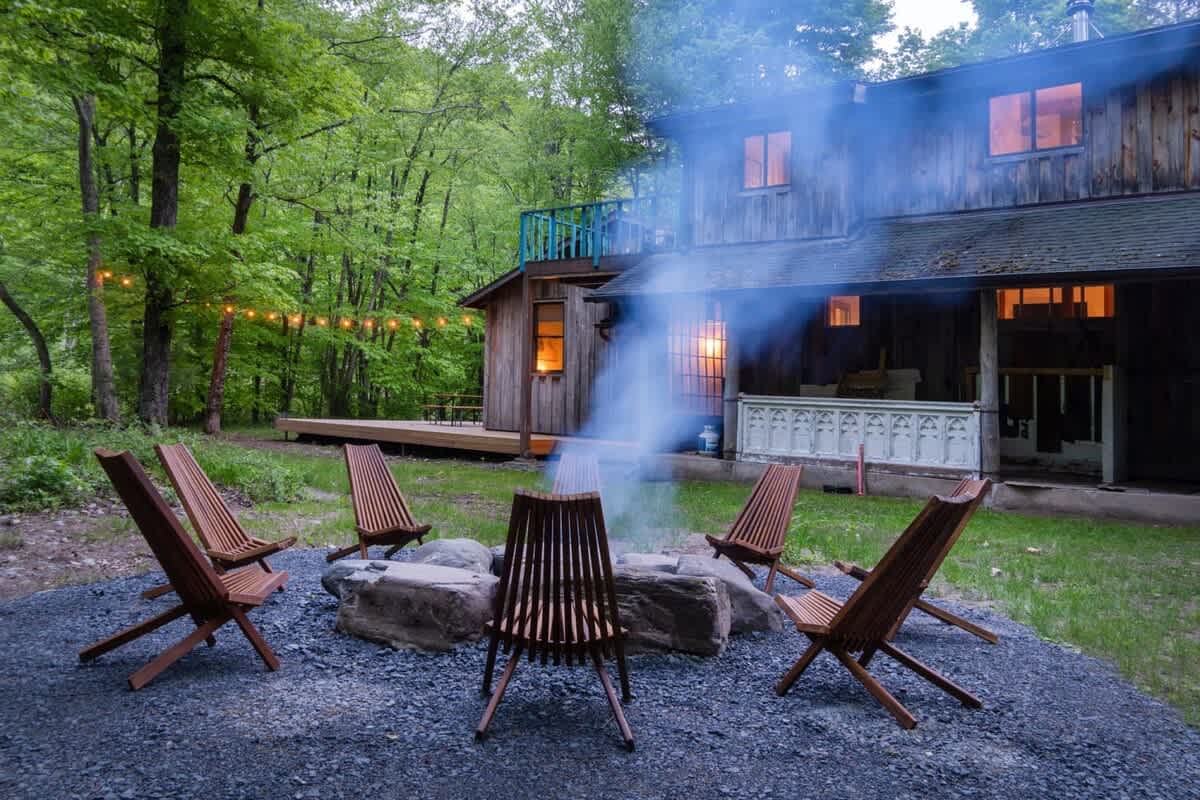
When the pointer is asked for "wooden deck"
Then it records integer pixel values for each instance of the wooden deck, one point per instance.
(468, 437)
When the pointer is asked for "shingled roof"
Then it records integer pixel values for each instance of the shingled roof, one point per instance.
(1094, 241)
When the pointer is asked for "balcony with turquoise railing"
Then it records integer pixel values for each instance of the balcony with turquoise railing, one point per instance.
(606, 232)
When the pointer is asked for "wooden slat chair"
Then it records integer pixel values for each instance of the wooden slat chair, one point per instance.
(210, 599)
(576, 473)
(557, 599)
(225, 541)
(760, 530)
(381, 514)
(975, 490)
(864, 623)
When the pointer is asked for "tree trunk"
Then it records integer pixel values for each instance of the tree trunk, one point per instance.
(43, 353)
(216, 387)
(164, 210)
(104, 396)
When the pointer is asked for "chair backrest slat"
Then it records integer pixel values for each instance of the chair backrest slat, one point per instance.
(557, 586)
(214, 522)
(576, 473)
(764, 519)
(378, 502)
(903, 572)
(190, 574)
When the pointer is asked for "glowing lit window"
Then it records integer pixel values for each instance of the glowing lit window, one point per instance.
(1036, 120)
(1056, 302)
(548, 324)
(842, 311)
(766, 160)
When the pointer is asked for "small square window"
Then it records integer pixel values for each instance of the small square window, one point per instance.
(842, 311)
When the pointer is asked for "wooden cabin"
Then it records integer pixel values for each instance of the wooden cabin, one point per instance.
(995, 265)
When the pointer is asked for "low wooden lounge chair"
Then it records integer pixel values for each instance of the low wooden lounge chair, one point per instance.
(557, 600)
(864, 623)
(576, 473)
(760, 530)
(208, 598)
(975, 491)
(381, 514)
(225, 541)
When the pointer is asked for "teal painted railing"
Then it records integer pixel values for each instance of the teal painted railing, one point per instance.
(595, 230)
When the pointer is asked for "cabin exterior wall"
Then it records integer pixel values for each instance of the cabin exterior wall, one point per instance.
(560, 400)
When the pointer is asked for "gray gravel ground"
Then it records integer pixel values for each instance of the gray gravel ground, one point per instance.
(346, 718)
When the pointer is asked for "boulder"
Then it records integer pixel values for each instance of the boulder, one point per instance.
(652, 561)
(459, 553)
(663, 611)
(750, 609)
(407, 605)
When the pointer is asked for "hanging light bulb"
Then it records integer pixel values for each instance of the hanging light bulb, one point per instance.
(392, 324)
(272, 316)
(229, 309)
(416, 322)
(108, 273)
(250, 313)
(294, 319)
(368, 324)
(441, 322)
(467, 319)
(126, 281)
(321, 321)
(347, 324)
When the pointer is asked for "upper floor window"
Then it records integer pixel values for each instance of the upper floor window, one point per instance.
(1056, 302)
(766, 161)
(842, 311)
(548, 330)
(1042, 119)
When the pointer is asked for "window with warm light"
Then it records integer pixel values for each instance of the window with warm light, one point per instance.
(1056, 302)
(766, 160)
(1042, 119)
(548, 330)
(842, 311)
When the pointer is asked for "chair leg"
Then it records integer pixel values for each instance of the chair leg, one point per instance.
(749, 572)
(868, 653)
(770, 584)
(489, 666)
(157, 591)
(803, 580)
(623, 672)
(362, 548)
(173, 653)
(391, 551)
(129, 634)
(613, 702)
(798, 668)
(342, 553)
(260, 644)
(957, 621)
(933, 676)
(489, 712)
(877, 691)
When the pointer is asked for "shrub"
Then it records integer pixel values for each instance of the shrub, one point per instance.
(40, 482)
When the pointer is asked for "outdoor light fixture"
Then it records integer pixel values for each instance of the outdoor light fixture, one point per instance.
(249, 313)
(228, 309)
(347, 324)
(272, 316)
(369, 324)
(441, 322)
(322, 321)
(416, 322)
(392, 324)
(126, 281)
(467, 320)
(294, 319)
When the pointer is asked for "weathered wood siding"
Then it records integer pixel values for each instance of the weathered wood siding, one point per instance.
(819, 202)
(560, 402)
(1137, 138)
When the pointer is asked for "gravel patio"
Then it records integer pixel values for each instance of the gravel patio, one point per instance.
(346, 718)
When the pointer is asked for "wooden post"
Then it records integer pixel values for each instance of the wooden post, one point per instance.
(989, 385)
(526, 367)
(729, 432)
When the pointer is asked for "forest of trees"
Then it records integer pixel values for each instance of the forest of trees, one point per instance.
(218, 211)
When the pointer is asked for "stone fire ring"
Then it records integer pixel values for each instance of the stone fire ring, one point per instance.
(444, 592)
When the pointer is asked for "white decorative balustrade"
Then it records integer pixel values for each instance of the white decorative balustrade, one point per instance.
(909, 434)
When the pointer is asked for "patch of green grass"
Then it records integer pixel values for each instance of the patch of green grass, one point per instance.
(11, 540)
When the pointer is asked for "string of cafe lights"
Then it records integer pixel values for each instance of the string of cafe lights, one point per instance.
(369, 324)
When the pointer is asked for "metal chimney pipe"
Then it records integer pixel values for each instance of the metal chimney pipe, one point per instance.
(1080, 12)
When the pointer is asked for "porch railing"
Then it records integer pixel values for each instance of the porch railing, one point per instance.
(941, 436)
(595, 230)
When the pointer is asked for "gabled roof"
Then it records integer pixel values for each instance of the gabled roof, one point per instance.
(479, 298)
(1092, 241)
